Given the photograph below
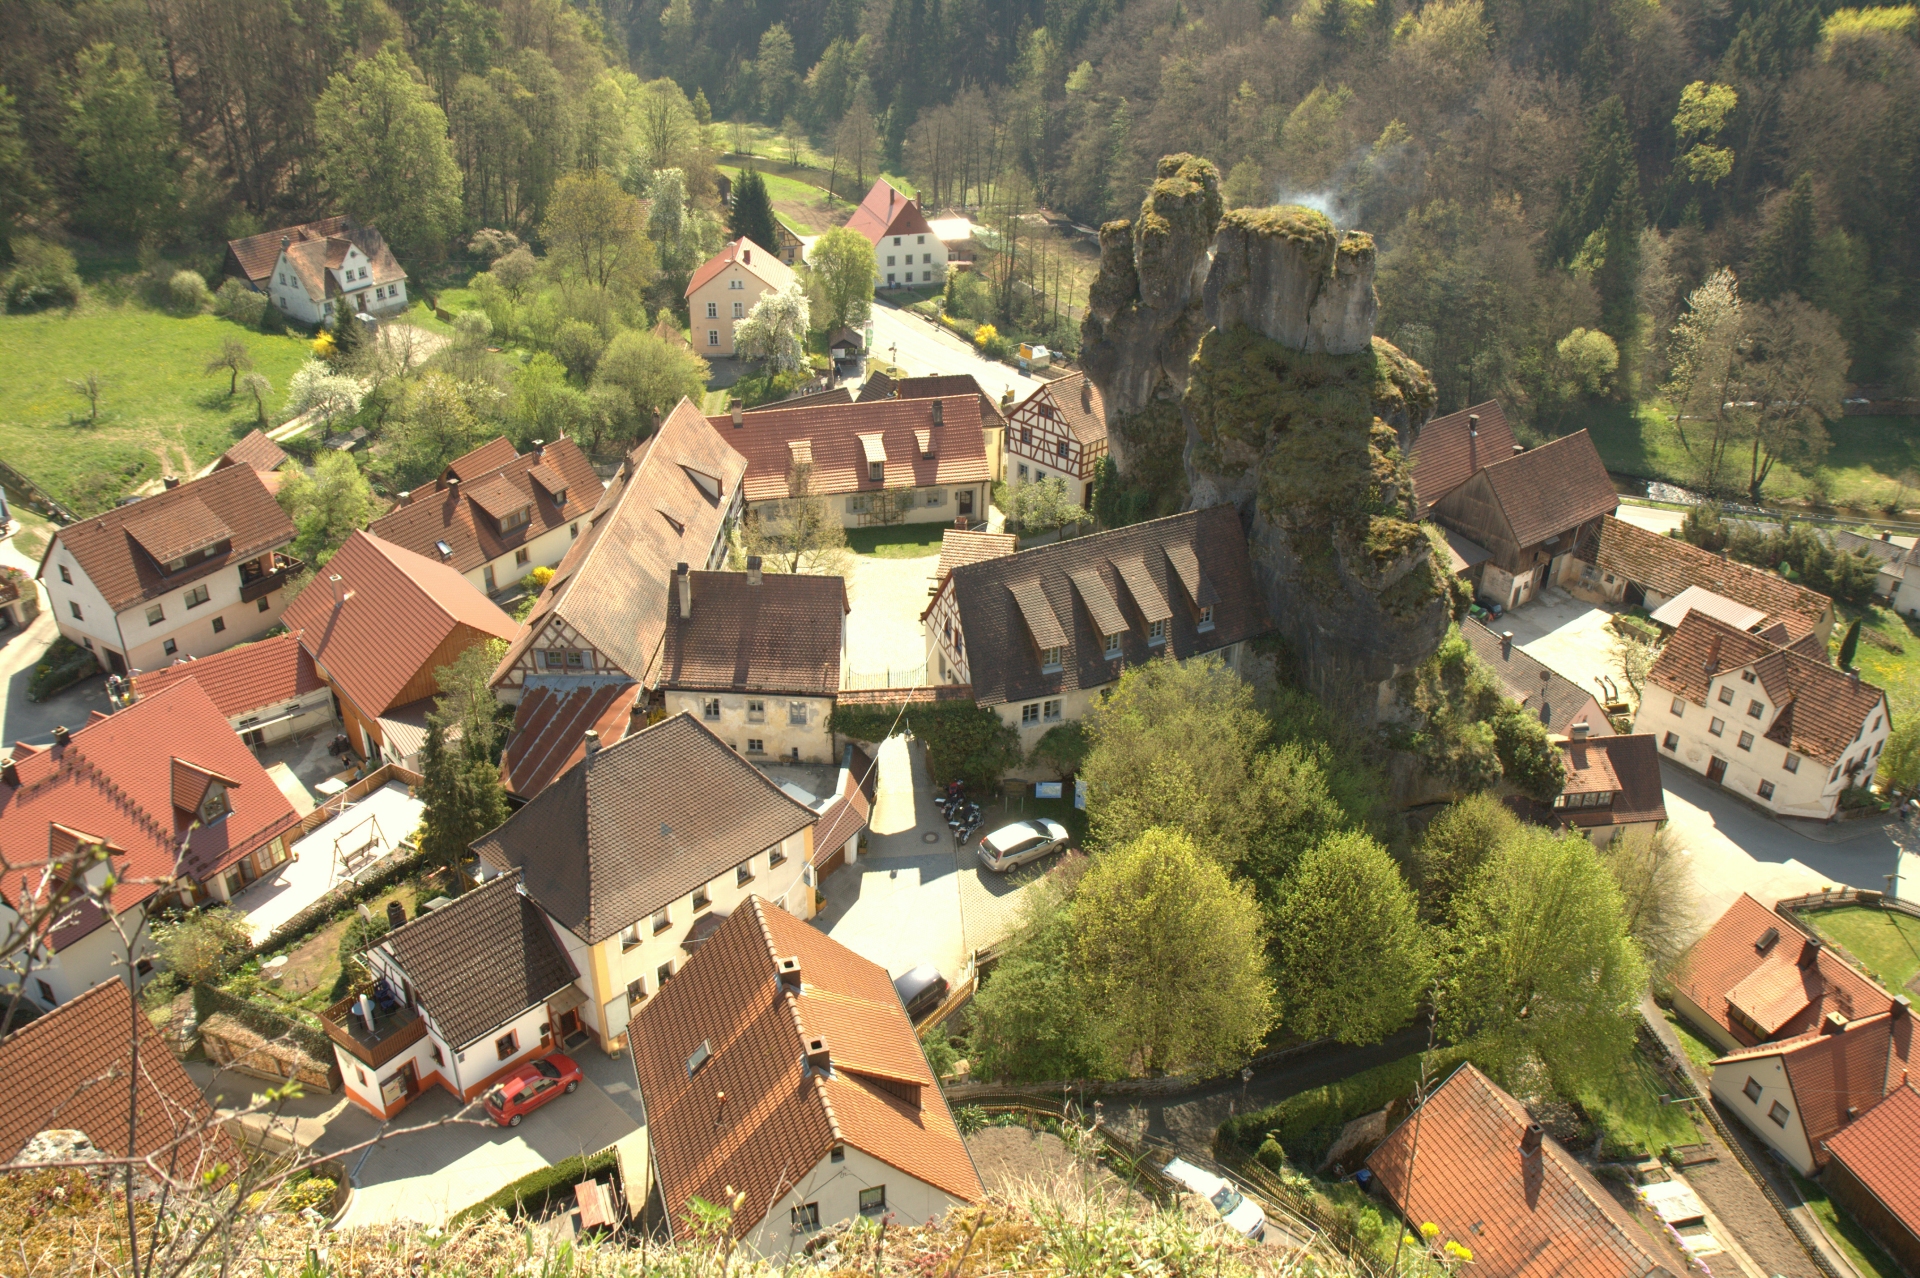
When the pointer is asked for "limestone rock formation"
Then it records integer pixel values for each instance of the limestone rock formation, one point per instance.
(1262, 371)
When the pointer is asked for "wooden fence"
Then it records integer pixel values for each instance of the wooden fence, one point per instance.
(1846, 896)
(335, 804)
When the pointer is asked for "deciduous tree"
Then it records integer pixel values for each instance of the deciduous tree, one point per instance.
(1454, 847)
(120, 129)
(1794, 371)
(233, 359)
(775, 330)
(653, 374)
(801, 532)
(595, 234)
(1656, 892)
(326, 506)
(1350, 951)
(383, 149)
(840, 279)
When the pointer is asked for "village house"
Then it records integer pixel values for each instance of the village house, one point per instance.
(186, 572)
(1041, 633)
(906, 251)
(1527, 510)
(379, 623)
(1625, 564)
(1870, 1171)
(1889, 557)
(603, 617)
(1788, 732)
(722, 292)
(1613, 788)
(781, 1066)
(494, 515)
(757, 657)
(787, 244)
(639, 851)
(268, 690)
(887, 461)
(304, 268)
(939, 385)
(253, 449)
(170, 793)
(1450, 450)
(463, 995)
(1058, 431)
(54, 1063)
(1559, 702)
(1492, 1183)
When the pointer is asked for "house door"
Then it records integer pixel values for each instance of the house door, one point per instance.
(409, 1079)
(115, 662)
(569, 1024)
(965, 500)
(1717, 769)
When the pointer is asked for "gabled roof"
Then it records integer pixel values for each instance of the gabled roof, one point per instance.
(1518, 1212)
(71, 1069)
(1737, 949)
(244, 679)
(1552, 489)
(758, 262)
(781, 1116)
(845, 817)
(1701, 647)
(968, 546)
(931, 386)
(253, 449)
(1840, 1069)
(313, 250)
(1446, 453)
(1628, 766)
(550, 728)
(885, 212)
(1076, 401)
(639, 825)
(842, 438)
(115, 781)
(784, 635)
(464, 516)
(385, 617)
(118, 550)
(1557, 700)
(256, 254)
(1669, 565)
(666, 506)
(1878, 1148)
(1883, 550)
(1014, 606)
(481, 961)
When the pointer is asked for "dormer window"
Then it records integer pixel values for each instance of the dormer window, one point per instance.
(1156, 632)
(1050, 662)
(1113, 645)
(1206, 619)
(215, 805)
(516, 519)
(560, 497)
(876, 472)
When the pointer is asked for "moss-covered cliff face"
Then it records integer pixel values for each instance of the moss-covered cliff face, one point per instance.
(1261, 332)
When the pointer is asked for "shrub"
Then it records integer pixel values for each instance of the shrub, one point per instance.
(64, 664)
(1064, 748)
(187, 293)
(199, 945)
(490, 244)
(1309, 1122)
(237, 302)
(362, 930)
(985, 333)
(528, 1195)
(43, 275)
(963, 740)
(1271, 1155)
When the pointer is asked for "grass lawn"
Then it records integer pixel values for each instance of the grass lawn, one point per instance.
(159, 412)
(1632, 1114)
(1701, 1052)
(1857, 1243)
(312, 977)
(34, 530)
(896, 541)
(1887, 944)
(1897, 672)
(800, 197)
(1860, 471)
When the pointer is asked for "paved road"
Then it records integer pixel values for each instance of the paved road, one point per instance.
(921, 346)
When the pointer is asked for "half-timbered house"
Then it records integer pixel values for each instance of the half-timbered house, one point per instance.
(1059, 430)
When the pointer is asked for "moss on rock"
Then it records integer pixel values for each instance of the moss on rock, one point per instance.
(1286, 221)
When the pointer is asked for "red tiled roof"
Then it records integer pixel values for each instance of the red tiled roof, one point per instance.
(971, 546)
(242, 680)
(1731, 952)
(1839, 1071)
(1629, 766)
(1879, 1149)
(117, 550)
(550, 731)
(885, 212)
(1078, 403)
(256, 450)
(1551, 489)
(785, 636)
(70, 1069)
(115, 781)
(1699, 648)
(1669, 565)
(1444, 457)
(932, 386)
(839, 435)
(446, 512)
(767, 268)
(1518, 1213)
(385, 618)
(780, 1117)
(845, 817)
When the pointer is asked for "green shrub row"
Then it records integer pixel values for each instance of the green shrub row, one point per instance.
(963, 740)
(530, 1194)
(64, 664)
(1307, 1124)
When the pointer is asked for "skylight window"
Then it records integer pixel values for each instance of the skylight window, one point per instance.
(700, 1056)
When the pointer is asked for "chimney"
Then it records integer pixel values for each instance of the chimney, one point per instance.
(819, 1059)
(405, 495)
(1580, 730)
(365, 1008)
(1473, 447)
(1086, 394)
(790, 974)
(739, 413)
(396, 914)
(593, 742)
(61, 736)
(1713, 655)
(1519, 448)
(1902, 1006)
(1853, 679)
(686, 590)
(284, 241)
(939, 413)
(753, 570)
(1886, 536)
(746, 256)
(1810, 952)
(1530, 1140)
(1834, 1023)
(453, 481)
(10, 773)
(170, 482)
(1506, 645)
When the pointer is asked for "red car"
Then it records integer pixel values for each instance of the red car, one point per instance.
(529, 1087)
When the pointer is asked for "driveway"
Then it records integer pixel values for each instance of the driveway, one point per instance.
(20, 650)
(885, 645)
(921, 346)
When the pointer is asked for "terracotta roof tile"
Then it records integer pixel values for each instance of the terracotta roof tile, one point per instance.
(392, 612)
(1074, 400)
(667, 506)
(885, 211)
(1551, 489)
(256, 450)
(839, 433)
(244, 679)
(1878, 1148)
(1013, 606)
(780, 1117)
(641, 824)
(766, 267)
(1444, 457)
(1558, 700)
(845, 817)
(550, 730)
(256, 254)
(1737, 945)
(480, 962)
(122, 566)
(1517, 1213)
(786, 635)
(932, 386)
(469, 466)
(969, 546)
(1839, 1071)
(1669, 565)
(70, 1070)
(1627, 765)
(1701, 647)
(446, 513)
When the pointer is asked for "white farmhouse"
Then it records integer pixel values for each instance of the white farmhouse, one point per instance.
(302, 269)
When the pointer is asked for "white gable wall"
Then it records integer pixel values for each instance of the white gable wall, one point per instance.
(835, 1187)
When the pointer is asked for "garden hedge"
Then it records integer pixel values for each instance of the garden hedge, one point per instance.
(1307, 1124)
(530, 1194)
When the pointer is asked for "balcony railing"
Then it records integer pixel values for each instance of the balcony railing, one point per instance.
(392, 1033)
(257, 582)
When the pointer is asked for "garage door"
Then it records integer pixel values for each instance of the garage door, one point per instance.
(834, 862)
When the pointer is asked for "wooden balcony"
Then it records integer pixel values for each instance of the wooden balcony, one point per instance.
(261, 577)
(393, 1032)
